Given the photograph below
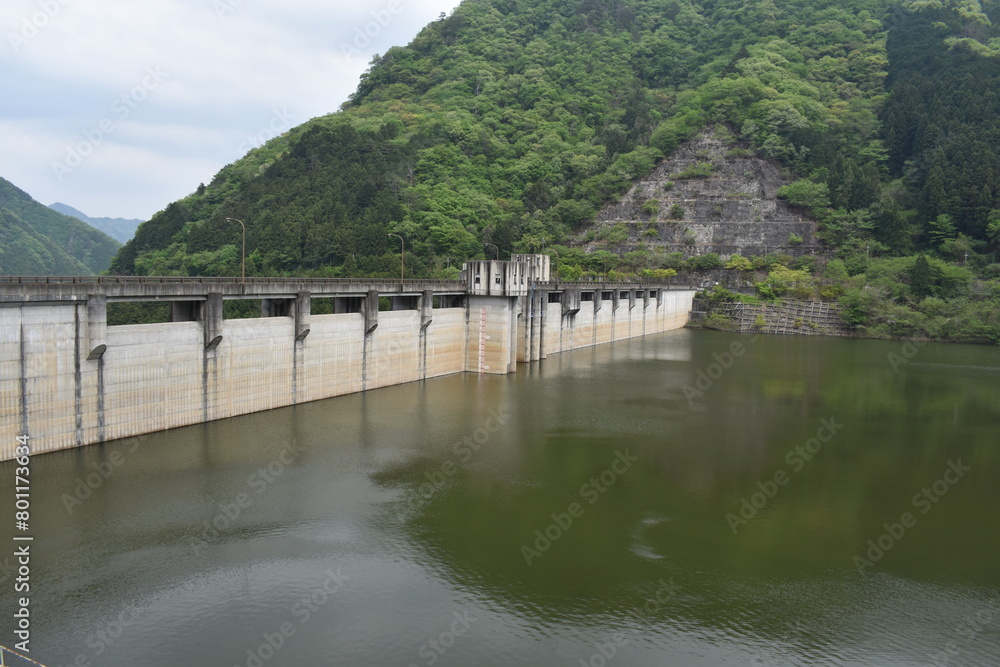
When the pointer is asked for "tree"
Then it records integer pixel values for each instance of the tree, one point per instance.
(890, 225)
(602, 260)
(921, 278)
(782, 281)
(835, 270)
(739, 263)
(941, 229)
(993, 228)
(707, 262)
(806, 193)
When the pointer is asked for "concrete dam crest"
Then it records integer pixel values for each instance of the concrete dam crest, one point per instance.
(68, 379)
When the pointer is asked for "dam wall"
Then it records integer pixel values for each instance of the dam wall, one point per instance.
(68, 379)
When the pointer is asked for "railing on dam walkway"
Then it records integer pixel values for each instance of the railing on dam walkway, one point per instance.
(210, 280)
(144, 288)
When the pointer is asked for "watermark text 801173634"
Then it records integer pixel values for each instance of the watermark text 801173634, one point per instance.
(22, 544)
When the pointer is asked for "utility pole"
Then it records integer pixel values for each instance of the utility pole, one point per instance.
(402, 257)
(243, 253)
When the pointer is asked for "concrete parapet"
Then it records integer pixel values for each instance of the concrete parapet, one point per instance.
(200, 366)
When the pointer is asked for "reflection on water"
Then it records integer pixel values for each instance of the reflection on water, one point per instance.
(658, 500)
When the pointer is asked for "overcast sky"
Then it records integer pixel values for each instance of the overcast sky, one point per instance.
(119, 107)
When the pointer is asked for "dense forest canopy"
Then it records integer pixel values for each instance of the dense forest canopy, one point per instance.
(517, 120)
(511, 122)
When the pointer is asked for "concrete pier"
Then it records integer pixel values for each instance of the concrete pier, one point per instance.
(68, 379)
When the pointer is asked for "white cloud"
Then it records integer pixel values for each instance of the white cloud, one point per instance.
(230, 67)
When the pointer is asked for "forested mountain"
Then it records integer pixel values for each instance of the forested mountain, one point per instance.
(120, 229)
(513, 122)
(35, 240)
(517, 120)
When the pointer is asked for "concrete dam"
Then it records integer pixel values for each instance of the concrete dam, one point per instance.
(69, 379)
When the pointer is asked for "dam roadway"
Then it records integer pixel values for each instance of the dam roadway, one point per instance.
(69, 379)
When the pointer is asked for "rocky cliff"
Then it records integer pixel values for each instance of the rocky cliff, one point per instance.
(711, 195)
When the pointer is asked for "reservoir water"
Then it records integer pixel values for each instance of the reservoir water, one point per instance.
(690, 498)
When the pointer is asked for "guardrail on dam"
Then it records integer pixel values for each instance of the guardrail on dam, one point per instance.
(68, 379)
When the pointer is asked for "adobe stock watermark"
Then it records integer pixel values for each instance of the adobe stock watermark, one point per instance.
(259, 481)
(907, 351)
(86, 485)
(968, 630)
(706, 377)
(924, 500)
(31, 26)
(102, 640)
(121, 108)
(796, 458)
(463, 450)
(591, 491)
(435, 647)
(224, 8)
(302, 611)
(281, 121)
(606, 651)
(363, 35)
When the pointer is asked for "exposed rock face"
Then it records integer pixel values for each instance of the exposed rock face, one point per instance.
(732, 208)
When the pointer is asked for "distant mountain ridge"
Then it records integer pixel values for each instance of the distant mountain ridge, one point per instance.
(35, 240)
(121, 229)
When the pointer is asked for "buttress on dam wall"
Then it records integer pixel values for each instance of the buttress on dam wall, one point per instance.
(67, 379)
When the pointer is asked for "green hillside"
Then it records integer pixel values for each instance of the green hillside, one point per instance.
(35, 240)
(513, 122)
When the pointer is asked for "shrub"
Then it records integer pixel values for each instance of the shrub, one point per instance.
(676, 212)
(706, 262)
(806, 193)
(782, 281)
(719, 322)
(700, 170)
(831, 292)
(570, 272)
(615, 234)
(739, 263)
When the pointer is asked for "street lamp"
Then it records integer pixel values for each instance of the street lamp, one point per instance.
(495, 248)
(558, 262)
(243, 253)
(402, 257)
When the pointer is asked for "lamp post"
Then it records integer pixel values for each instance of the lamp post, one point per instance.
(558, 262)
(495, 248)
(402, 257)
(243, 252)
